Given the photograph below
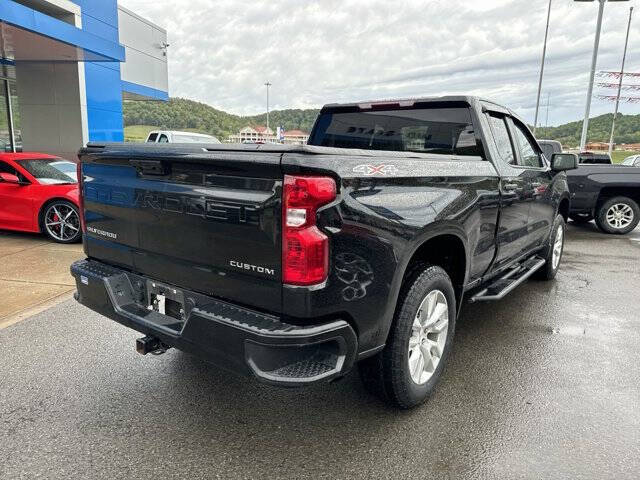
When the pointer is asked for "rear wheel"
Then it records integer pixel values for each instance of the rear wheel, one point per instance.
(406, 372)
(618, 215)
(61, 222)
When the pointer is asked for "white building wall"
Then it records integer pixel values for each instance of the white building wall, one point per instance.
(53, 109)
(146, 59)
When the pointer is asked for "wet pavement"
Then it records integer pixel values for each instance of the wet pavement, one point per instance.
(544, 384)
(33, 270)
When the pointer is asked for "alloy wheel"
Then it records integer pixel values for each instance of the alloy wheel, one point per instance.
(619, 215)
(62, 222)
(428, 336)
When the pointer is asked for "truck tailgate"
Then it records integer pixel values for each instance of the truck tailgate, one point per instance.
(210, 223)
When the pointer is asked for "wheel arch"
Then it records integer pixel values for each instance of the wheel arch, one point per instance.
(618, 191)
(447, 250)
(564, 207)
(429, 249)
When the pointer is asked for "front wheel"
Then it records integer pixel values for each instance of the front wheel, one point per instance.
(552, 253)
(618, 215)
(61, 222)
(406, 372)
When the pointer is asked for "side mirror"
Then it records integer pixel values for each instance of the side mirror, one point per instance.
(564, 161)
(9, 178)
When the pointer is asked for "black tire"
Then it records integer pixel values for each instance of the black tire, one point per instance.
(604, 208)
(581, 218)
(387, 373)
(72, 233)
(549, 269)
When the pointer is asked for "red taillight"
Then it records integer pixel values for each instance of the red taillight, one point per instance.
(305, 249)
(80, 196)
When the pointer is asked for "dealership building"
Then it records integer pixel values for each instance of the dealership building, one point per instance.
(67, 66)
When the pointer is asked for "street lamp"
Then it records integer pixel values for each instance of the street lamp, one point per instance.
(624, 57)
(594, 60)
(267, 84)
(544, 53)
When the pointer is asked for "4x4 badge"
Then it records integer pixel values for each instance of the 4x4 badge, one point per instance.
(371, 170)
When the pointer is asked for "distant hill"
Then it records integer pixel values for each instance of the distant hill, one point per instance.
(183, 114)
(627, 130)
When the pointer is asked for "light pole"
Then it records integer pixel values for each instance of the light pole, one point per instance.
(594, 60)
(544, 53)
(267, 84)
(624, 57)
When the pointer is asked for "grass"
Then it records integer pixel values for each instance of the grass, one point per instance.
(618, 156)
(139, 133)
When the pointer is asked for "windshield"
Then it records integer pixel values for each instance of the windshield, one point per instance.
(425, 130)
(628, 161)
(67, 167)
(45, 170)
(184, 138)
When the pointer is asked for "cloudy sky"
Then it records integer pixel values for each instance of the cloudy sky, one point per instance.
(321, 51)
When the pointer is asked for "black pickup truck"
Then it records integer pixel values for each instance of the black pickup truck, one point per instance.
(292, 263)
(610, 194)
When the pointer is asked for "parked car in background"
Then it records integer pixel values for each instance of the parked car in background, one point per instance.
(632, 161)
(610, 194)
(170, 136)
(549, 147)
(302, 260)
(36, 196)
(591, 158)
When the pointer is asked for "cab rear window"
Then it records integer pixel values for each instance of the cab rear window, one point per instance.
(425, 130)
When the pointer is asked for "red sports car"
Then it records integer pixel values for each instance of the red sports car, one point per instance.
(39, 193)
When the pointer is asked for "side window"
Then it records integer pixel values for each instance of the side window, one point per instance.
(163, 139)
(529, 155)
(152, 137)
(501, 139)
(6, 168)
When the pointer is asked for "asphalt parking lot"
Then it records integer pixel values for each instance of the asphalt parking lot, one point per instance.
(544, 384)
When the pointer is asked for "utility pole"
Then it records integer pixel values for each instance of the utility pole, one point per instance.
(544, 53)
(594, 60)
(546, 123)
(267, 84)
(624, 57)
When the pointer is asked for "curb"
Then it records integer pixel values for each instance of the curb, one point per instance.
(35, 309)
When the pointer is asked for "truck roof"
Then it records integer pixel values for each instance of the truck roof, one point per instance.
(408, 102)
(472, 100)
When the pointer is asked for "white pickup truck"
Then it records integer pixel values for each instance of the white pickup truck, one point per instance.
(169, 136)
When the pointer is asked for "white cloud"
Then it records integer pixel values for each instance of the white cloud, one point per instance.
(321, 51)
